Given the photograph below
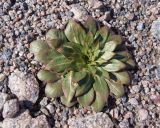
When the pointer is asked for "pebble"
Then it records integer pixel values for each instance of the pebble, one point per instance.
(157, 71)
(155, 28)
(10, 108)
(133, 101)
(99, 120)
(2, 77)
(140, 26)
(25, 87)
(3, 98)
(95, 4)
(142, 114)
(79, 11)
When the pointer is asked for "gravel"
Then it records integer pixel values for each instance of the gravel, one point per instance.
(22, 22)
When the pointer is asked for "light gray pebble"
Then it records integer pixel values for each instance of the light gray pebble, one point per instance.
(142, 114)
(10, 108)
(140, 26)
(133, 101)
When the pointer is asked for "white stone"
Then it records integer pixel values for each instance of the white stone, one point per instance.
(25, 87)
(3, 99)
(142, 114)
(24, 120)
(95, 4)
(10, 108)
(99, 120)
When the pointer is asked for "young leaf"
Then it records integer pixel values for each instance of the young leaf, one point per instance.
(86, 99)
(54, 90)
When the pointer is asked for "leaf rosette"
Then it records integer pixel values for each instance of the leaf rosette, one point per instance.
(83, 64)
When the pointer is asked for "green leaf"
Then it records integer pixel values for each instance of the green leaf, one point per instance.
(116, 88)
(74, 32)
(66, 103)
(72, 50)
(115, 38)
(131, 63)
(86, 99)
(91, 25)
(38, 45)
(54, 90)
(123, 56)
(84, 85)
(54, 43)
(77, 76)
(123, 77)
(98, 104)
(100, 86)
(89, 39)
(59, 63)
(47, 76)
(105, 57)
(68, 87)
(114, 65)
(110, 46)
(102, 72)
(55, 34)
(104, 33)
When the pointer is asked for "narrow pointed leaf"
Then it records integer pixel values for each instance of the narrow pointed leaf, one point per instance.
(66, 103)
(86, 99)
(89, 39)
(123, 77)
(123, 56)
(131, 63)
(116, 88)
(114, 65)
(103, 73)
(38, 45)
(74, 32)
(110, 46)
(99, 103)
(77, 76)
(54, 90)
(47, 76)
(91, 25)
(107, 55)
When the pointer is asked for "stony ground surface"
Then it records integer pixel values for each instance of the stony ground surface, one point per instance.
(22, 100)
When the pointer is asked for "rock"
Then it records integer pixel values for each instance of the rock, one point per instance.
(157, 71)
(6, 54)
(10, 108)
(99, 120)
(2, 77)
(155, 28)
(105, 17)
(124, 124)
(142, 114)
(129, 16)
(24, 120)
(79, 12)
(95, 4)
(133, 101)
(25, 87)
(140, 26)
(155, 99)
(3, 99)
